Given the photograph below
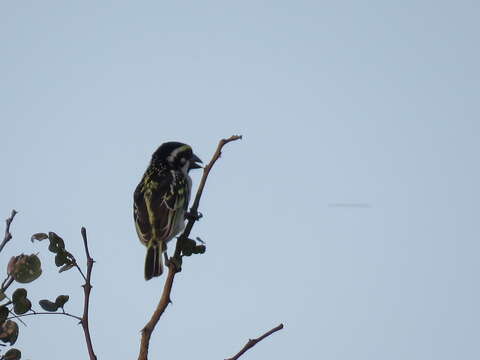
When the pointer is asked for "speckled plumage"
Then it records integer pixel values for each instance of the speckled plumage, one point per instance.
(161, 201)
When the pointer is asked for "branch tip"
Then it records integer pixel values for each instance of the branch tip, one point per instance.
(252, 342)
(8, 236)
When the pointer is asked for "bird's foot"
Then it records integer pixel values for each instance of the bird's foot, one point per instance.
(176, 262)
(193, 215)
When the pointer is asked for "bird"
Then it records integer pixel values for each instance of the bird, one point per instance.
(160, 201)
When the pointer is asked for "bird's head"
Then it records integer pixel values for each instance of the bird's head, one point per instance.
(176, 156)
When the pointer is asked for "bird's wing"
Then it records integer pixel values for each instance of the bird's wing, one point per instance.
(157, 200)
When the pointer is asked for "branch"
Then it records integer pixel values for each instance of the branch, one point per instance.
(7, 236)
(46, 313)
(87, 287)
(252, 342)
(172, 267)
(79, 270)
(6, 283)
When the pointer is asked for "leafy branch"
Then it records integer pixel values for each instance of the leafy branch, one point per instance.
(66, 261)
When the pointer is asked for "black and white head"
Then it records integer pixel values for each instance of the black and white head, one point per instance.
(176, 156)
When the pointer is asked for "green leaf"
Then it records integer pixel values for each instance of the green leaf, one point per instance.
(3, 314)
(2, 295)
(22, 307)
(66, 267)
(47, 305)
(56, 243)
(25, 268)
(61, 300)
(61, 258)
(39, 237)
(188, 247)
(19, 295)
(9, 332)
(20, 302)
(12, 354)
(199, 249)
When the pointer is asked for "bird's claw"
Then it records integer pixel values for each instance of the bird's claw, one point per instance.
(176, 262)
(194, 215)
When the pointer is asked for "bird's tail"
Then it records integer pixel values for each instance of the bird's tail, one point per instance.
(153, 261)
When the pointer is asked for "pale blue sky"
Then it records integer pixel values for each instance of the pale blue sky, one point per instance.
(338, 102)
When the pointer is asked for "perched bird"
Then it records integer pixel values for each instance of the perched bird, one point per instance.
(161, 199)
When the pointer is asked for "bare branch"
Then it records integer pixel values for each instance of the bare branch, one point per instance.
(80, 270)
(87, 287)
(252, 342)
(47, 313)
(6, 283)
(7, 236)
(172, 267)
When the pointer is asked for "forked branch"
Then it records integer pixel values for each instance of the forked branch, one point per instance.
(252, 342)
(172, 268)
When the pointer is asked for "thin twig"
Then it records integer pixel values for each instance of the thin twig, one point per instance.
(47, 313)
(7, 236)
(6, 283)
(80, 270)
(172, 267)
(252, 342)
(87, 287)
(201, 186)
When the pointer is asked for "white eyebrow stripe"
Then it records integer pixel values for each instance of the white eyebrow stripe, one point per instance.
(175, 152)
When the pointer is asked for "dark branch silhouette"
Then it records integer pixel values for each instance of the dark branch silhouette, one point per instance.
(252, 342)
(87, 287)
(8, 235)
(46, 313)
(173, 267)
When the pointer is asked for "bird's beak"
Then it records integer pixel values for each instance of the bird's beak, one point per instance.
(193, 162)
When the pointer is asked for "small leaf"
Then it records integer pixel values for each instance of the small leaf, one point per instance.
(61, 300)
(19, 295)
(199, 249)
(66, 267)
(20, 302)
(47, 305)
(61, 258)
(39, 237)
(188, 247)
(25, 268)
(9, 332)
(2, 295)
(3, 314)
(22, 307)
(56, 243)
(12, 354)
